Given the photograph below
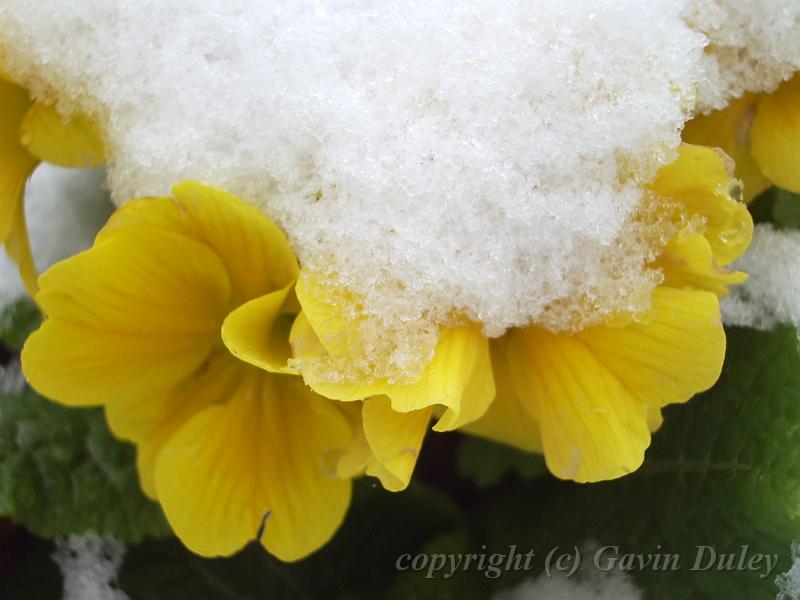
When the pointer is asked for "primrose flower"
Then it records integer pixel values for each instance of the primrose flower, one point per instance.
(139, 324)
(456, 385)
(761, 132)
(31, 132)
(589, 400)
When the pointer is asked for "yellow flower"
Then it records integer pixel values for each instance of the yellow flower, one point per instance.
(589, 400)
(139, 323)
(29, 133)
(761, 132)
(456, 385)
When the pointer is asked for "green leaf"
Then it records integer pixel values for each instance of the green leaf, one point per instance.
(487, 463)
(361, 558)
(165, 570)
(62, 472)
(723, 472)
(359, 562)
(17, 321)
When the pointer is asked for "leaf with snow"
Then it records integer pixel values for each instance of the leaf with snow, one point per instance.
(62, 472)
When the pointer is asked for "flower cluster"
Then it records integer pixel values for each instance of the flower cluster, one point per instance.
(243, 377)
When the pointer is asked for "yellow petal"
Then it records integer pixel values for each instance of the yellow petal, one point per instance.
(17, 164)
(159, 213)
(254, 250)
(257, 332)
(459, 377)
(395, 439)
(149, 421)
(687, 262)
(729, 129)
(66, 143)
(18, 248)
(306, 345)
(303, 340)
(333, 316)
(776, 135)
(669, 354)
(128, 318)
(257, 457)
(352, 461)
(701, 180)
(509, 419)
(654, 418)
(592, 428)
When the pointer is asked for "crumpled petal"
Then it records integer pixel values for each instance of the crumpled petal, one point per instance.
(256, 458)
(701, 179)
(687, 262)
(459, 377)
(333, 317)
(776, 135)
(257, 332)
(395, 440)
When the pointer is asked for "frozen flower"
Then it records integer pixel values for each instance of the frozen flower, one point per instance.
(588, 400)
(139, 324)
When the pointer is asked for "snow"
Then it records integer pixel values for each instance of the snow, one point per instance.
(90, 564)
(439, 160)
(771, 294)
(64, 208)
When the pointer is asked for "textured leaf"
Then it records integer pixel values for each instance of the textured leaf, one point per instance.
(724, 471)
(62, 472)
